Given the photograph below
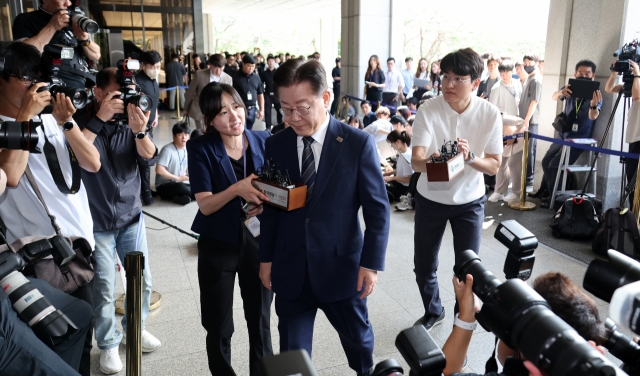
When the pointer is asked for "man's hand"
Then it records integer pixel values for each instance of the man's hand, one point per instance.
(110, 106)
(183, 178)
(260, 115)
(467, 300)
(255, 211)
(388, 178)
(80, 34)
(155, 122)
(366, 281)
(597, 97)
(33, 103)
(463, 147)
(265, 274)
(137, 119)
(60, 19)
(63, 109)
(185, 113)
(566, 91)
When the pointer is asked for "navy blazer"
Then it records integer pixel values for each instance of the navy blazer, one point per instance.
(324, 238)
(210, 170)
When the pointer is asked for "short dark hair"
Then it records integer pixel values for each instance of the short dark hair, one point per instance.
(586, 63)
(175, 56)
(402, 136)
(338, 59)
(412, 100)
(217, 60)
(570, 304)
(150, 57)
(404, 111)
(464, 62)
(294, 71)
(211, 102)
(20, 59)
(408, 59)
(487, 55)
(195, 56)
(248, 59)
(391, 59)
(195, 134)
(395, 119)
(180, 127)
(492, 58)
(270, 57)
(532, 57)
(105, 77)
(357, 120)
(364, 102)
(505, 66)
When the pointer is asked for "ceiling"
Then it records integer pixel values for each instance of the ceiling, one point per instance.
(272, 8)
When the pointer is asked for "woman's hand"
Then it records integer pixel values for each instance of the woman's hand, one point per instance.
(248, 192)
(255, 211)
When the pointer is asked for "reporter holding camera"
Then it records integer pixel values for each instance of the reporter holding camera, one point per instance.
(118, 223)
(49, 25)
(60, 139)
(221, 165)
(632, 135)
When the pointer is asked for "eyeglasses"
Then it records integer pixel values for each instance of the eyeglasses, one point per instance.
(302, 111)
(27, 80)
(454, 81)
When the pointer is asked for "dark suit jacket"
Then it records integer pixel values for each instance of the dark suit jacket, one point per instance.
(210, 170)
(192, 96)
(324, 238)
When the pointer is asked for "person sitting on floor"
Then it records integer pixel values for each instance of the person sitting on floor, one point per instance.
(172, 181)
(397, 181)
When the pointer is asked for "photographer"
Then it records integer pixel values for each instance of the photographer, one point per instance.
(115, 207)
(147, 78)
(632, 135)
(60, 138)
(565, 298)
(49, 25)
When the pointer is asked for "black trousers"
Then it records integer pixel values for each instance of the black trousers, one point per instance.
(145, 173)
(336, 97)
(25, 354)
(387, 98)
(218, 263)
(84, 293)
(631, 167)
(168, 190)
(269, 101)
(395, 190)
(531, 162)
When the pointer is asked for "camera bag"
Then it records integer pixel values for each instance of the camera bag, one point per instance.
(576, 219)
(618, 231)
(76, 273)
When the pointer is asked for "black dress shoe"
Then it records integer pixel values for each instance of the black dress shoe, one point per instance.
(545, 202)
(430, 321)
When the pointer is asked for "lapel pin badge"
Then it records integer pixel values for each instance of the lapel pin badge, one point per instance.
(339, 139)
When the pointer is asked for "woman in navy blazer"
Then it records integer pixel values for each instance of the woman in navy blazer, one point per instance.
(221, 165)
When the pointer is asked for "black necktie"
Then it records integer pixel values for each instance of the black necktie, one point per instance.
(308, 170)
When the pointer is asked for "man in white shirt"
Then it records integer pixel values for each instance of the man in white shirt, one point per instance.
(475, 124)
(203, 77)
(393, 86)
(379, 129)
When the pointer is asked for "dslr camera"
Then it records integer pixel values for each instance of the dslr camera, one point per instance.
(20, 135)
(627, 52)
(78, 17)
(49, 324)
(130, 92)
(53, 62)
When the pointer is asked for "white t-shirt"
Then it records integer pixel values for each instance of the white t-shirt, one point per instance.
(22, 211)
(403, 165)
(436, 123)
(376, 126)
(633, 125)
(174, 160)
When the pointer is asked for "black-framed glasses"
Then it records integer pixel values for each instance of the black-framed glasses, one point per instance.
(455, 81)
(27, 80)
(302, 111)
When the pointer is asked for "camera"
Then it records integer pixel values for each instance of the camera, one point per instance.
(124, 77)
(622, 347)
(627, 52)
(78, 17)
(49, 324)
(52, 63)
(522, 319)
(20, 135)
(603, 278)
(521, 244)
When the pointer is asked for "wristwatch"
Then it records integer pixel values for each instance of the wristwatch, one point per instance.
(67, 126)
(465, 325)
(85, 43)
(593, 107)
(472, 158)
(141, 135)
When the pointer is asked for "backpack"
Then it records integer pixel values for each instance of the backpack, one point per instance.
(561, 199)
(618, 231)
(576, 219)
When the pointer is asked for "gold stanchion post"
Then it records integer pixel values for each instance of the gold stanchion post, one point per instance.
(523, 204)
(134, 264)
(178, 102)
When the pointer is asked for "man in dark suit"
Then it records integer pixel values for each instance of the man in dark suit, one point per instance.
(316, 256)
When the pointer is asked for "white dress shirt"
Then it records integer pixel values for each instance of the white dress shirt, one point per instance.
(213, 78)
(393, 80)
(316, 147)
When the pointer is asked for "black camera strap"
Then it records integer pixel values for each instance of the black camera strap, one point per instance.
(34, 185)
(56, 171)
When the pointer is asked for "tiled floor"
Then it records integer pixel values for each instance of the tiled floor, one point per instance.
(394, 306)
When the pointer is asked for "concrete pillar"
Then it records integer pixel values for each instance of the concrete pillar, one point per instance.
(587, 29)
(329, 34)
(367, 29)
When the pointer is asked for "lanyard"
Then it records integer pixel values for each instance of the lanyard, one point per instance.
(183, 158)
(578, 107)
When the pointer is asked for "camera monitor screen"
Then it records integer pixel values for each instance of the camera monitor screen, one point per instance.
(583, 88)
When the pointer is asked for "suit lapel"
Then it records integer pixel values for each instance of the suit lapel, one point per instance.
(258, 158)
(333, 142)
(223, 158)
(293, 163)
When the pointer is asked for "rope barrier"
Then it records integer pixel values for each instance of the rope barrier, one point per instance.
(366, 100)
(585, 146)
(174, 88)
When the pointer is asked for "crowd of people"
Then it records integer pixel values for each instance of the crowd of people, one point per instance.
(93, 178)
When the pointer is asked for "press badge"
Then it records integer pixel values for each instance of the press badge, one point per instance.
(575, 127)
(249, 96)
(253, 224)
(182, 173)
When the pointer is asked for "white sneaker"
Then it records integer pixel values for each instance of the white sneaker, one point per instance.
(511, 197)
(495, 197)
(110, 361)
(405, 205)
(149, 342)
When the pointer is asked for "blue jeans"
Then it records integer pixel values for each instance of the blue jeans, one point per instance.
(104, 282)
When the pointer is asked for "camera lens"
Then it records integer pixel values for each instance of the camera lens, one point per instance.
(145, 103)
(604, 278)
(78, 96)
(85, 23)
(16, 135)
